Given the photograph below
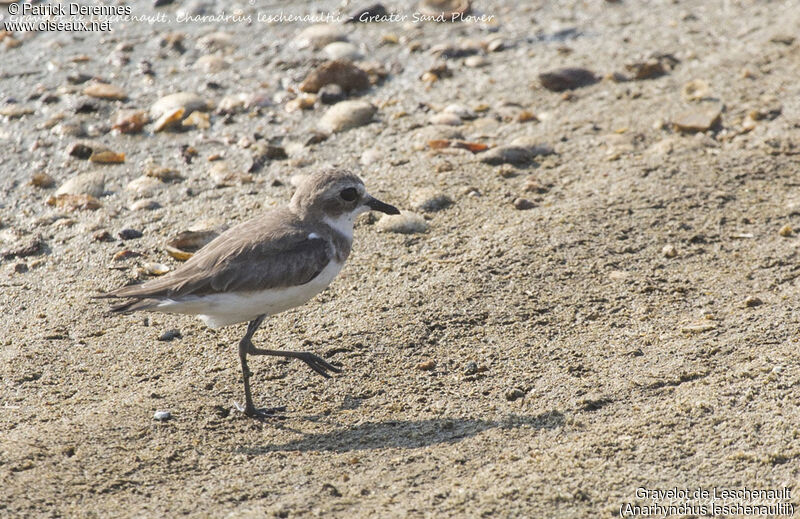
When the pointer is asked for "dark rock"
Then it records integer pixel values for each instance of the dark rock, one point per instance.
(515, 394)
(130, 234)
(567, 79)
(170, 335)
(341, 72)
(368, 14)
(331, 94)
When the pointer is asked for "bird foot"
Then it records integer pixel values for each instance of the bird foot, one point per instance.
(261, 413)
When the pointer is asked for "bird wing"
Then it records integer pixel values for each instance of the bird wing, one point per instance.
(264, 253)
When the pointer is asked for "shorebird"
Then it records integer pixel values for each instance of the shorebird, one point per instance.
(269, 264)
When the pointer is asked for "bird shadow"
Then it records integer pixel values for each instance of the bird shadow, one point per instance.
(409, 434)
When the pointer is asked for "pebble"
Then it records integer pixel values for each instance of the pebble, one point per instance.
(15, 111)
(43, 180)
(223, 176)
(695, 90)
(476, 62)
(92, 183)
(170, 335)
(130, 234)
(216, 42)
(107, 157)
(753, 301)
(301, 102)
(318, 36)
(404, 223)
(75, 202)
(514, 394)
(105, 91)
(373, 13)
(197, 120)
(370, 156)
(188, 101)
(84, 149)
(523, 204)
(568, 78)
(471, 368)
(163, 174)
(162, 416)
(125, 254)
(331, 94)
(102, 235)
(342, 50)
(446, 119)
(341, 72)
(211, 64)
(144, 186)
(519, 152)
(428, 365)
(699, 119)
(429, 200)
(145, 204)
(444, 8)
(461, 111)
(669, 251)
(129, 121)
(346, 115)
(649, 69)
(786, 231)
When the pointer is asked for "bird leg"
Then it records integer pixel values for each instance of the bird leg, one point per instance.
(245, 345)
(318, 364)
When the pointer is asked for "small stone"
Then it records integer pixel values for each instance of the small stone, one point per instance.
(163, 174)
(753, 301)
(130, 234)
(568, 78)
(695, 90)
(373, 13)
(403, 223)
(669, 251)
(698, 119)
(188, 101)
(211, 64)
(107, 157)
(85, 149)
(92, 183)
(144, 186)
(102, 235)
(523, 204)
(75, 202)
(42, 180)
(198, 120)
(370, 156)
(461, 111)
(155, 269)
(301, 102)
(318, 36)
(446, 119)
(125, 254)
(429, 200)
(346, 115)
(223, 176)
(342, 50)
(105, 91)
(649, 69)
(514, 394)
(331, 94)
(170, 335)
(447, 10)
(129, 121)
(144, 204)
(786, 231)
(340, 72)
(32, 246)
(428, 365)
(15, 111)
(476, 61)
(471, 368)
(518, 154)
(20, 268)
(162, 416)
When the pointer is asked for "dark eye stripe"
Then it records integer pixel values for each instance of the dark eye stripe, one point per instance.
(349, 194)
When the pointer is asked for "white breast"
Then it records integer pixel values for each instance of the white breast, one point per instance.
(236, 307)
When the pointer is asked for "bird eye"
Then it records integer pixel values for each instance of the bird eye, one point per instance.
(349, 194)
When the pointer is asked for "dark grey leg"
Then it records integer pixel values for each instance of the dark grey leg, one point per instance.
(314, 362)
(244, 346)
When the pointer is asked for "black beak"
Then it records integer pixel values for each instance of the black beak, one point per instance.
(376, 205)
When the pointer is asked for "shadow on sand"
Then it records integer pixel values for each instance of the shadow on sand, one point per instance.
(405, 434)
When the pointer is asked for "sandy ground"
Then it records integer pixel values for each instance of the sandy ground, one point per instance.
(636, 327)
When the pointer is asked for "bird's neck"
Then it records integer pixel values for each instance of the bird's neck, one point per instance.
(342, 224)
